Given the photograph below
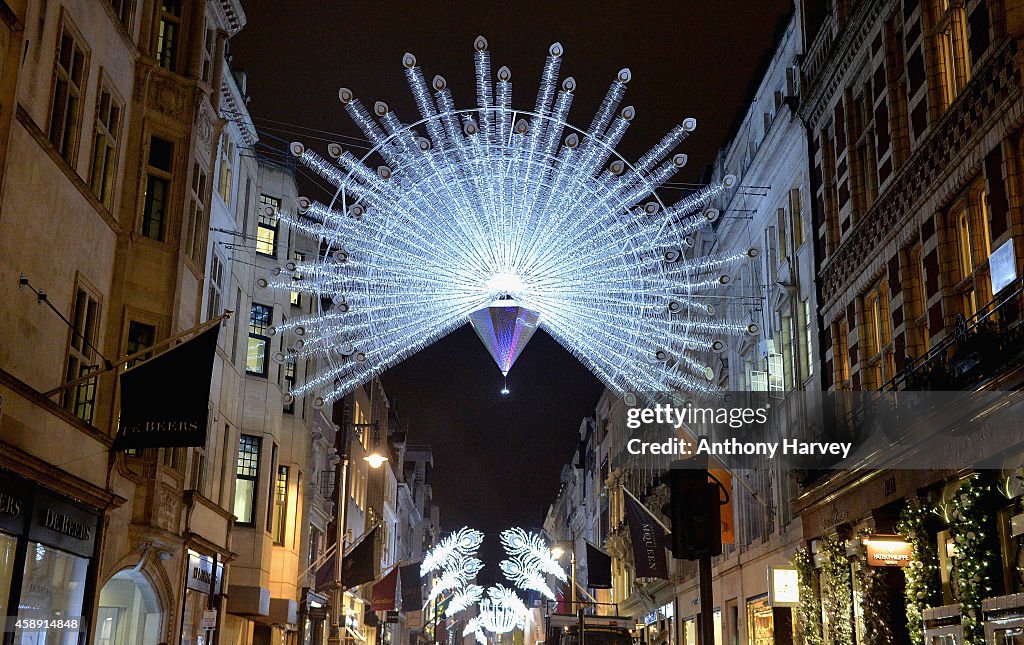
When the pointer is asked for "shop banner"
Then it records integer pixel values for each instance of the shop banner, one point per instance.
(324, 574)
(357, 567)
(648, 540)
(165, 401)
(412, 587)
(384, 592)
(599, 568)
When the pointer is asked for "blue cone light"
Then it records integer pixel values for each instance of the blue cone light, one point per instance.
(504, 328)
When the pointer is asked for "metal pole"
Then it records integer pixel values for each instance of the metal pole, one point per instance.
(580, 626)
(707, 632)
(334, 637)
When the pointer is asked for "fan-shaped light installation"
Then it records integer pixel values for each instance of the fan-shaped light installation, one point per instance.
(530, 561)
(465, 206)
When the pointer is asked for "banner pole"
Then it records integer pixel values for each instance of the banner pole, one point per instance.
(123, 361)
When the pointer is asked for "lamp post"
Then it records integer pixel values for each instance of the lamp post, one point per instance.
(376, 460)
(558, 551)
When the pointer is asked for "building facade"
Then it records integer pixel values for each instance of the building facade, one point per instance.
(914, 114)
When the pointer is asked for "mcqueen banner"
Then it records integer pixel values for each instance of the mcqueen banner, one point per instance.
(165, 401)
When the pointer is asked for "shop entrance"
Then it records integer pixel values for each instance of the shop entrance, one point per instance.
(129, 611)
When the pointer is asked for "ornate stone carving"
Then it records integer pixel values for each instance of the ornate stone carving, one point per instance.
(167, 96)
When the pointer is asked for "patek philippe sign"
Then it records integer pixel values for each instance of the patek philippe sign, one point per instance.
(783, 587)
(165, 401)
(887, 551)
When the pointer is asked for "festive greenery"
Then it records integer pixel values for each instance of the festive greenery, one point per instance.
(874, 608)
(967, 526)
(808, 614)
(837, 591)
(922, 574)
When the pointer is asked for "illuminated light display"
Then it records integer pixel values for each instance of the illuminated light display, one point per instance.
(463, 207)
(454, 561)
(530, 562)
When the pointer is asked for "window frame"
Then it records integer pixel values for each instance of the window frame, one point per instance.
(106, 132)
(267, 225)
(165, 176)
(263, 338)
(249, 471)
(169, 60)
(68, 146)
(80, 357)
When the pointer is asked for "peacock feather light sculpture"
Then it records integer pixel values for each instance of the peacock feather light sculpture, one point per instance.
(511, 219)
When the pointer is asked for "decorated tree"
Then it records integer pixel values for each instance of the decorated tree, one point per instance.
(923, 585)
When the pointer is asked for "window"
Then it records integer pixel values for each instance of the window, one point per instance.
(315, 544)
(195, 227)
(209, 47)
(783, 247)
(296, 296)
(878, 351)
(272, 489)
(81, 399)
(123, 11)
(260, 317)
(169, 35)
(808, 344)
(216, 287)
(236, 325)
(841, 355)
(797, 218)
(159, 165)
(104, 147)
(280, 504)
(951, 45)
(65, 109)
(266, 233)
(199, 469)
(247, 472)
(970, 232)
(140, 336)
(227, 157)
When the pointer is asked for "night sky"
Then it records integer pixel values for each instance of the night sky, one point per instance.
(497, 459)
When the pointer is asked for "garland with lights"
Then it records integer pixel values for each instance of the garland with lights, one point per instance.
(874, 608)
(808, 613)
(922, 574)
(968, 520)
(837, 591)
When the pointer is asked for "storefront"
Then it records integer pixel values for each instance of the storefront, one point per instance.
(313, 622)
(47, 557)
(658, 626)
(129, 611)
(197, 621)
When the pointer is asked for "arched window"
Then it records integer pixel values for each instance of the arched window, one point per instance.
(129, 611)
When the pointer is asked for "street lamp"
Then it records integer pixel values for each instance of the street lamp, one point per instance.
(376, 460)
(558, 550)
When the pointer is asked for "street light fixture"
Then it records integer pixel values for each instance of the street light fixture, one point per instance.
(376, 458)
